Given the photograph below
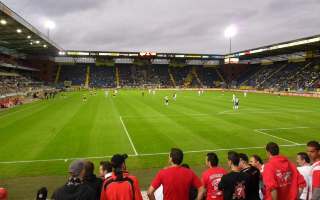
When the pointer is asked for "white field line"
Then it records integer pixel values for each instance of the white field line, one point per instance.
(127, 133)
(143, 155)
(268, 129)
(263, 131)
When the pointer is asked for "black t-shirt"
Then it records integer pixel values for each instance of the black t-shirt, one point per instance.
(234, 186)
(74, 192)
(254, 175)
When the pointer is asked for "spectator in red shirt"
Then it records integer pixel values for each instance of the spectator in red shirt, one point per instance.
(211, 178)
(313, 150)
(281, 179)
(176, 180)
(3, 194)
(121, 185)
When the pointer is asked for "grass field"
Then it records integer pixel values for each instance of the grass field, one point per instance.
(40, 139)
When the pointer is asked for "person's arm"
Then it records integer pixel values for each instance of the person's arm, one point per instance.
(154, 185)
(201, 192)
(274, 194)
(150, 193)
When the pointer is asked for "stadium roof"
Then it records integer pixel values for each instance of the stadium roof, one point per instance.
(306, 44)
(18, 36)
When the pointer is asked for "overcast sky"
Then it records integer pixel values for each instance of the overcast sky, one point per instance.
(185, 26)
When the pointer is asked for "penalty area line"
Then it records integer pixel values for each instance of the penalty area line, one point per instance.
(129, 137)
(263, 131)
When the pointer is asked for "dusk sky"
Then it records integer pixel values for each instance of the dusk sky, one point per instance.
(185, 26)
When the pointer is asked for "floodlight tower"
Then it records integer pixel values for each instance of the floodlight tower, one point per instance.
(49, 25)
(229, 33)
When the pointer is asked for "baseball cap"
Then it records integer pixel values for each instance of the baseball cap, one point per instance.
(118, 159)
(3, 193)
(76, 167)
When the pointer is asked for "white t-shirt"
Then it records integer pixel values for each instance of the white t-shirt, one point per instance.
(159, 193)
(305, 171)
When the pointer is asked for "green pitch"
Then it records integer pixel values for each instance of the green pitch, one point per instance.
(42, 137)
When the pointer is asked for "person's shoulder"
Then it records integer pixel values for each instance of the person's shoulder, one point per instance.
(86, 188)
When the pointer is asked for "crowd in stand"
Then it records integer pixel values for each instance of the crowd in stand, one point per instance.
(247, 178)
(296, 76)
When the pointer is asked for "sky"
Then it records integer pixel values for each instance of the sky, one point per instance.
(170, 26)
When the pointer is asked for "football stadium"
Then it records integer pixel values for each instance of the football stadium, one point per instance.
(62, 106)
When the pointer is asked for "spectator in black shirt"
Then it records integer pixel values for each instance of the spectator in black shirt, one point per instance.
(74, 188)
(254, 174)
(90, 178)
(234, 185)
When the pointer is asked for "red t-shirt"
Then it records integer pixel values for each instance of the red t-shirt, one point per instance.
(176, 182)
(281, 175)
(121, 190)
(210, 180)
(315, 173)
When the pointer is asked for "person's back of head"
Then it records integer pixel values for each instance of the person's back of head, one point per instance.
(185, 165)
(3, 194)
(176, 156)
(212, 159)
(272, 149)
(42, 194)
(89, 168)
(118, 164)
(244, 160)
(233, 158)
(76, 169)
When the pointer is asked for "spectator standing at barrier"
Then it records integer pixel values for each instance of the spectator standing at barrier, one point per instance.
(256, 162)
(74, 188)
(175, 179)
(121, 185)
(105, 170)
(3, 194)
(304, 168)
(281, 179)
(212, 177)
(235, 185)
(254, 175)
(90, 178)
(313, 150)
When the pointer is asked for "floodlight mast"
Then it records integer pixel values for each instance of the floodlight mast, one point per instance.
(49, 25)
(229, 33)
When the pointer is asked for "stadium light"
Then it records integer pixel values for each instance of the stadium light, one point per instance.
(29, 37)
(45, 46)
(3, 22)
(37, 42)
(229, 33)
(19, 30)
(49, 25)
